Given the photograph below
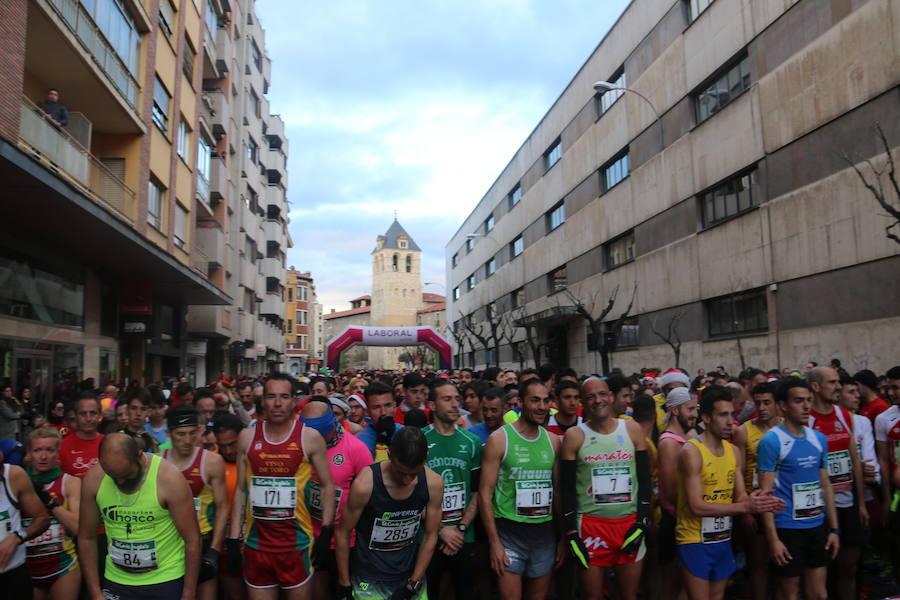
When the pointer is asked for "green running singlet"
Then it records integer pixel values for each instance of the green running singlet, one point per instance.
(524, 490)
(144, 546)
(605, 476)
(454, 457)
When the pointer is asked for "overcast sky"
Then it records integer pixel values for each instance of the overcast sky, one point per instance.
(409, 106)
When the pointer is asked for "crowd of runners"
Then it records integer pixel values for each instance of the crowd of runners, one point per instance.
(534, 484)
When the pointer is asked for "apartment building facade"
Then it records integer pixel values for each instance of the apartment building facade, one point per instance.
(713, 196)
(243, 238)
(303, 326)
(98, 251)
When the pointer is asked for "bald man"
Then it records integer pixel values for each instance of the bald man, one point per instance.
(148, 511)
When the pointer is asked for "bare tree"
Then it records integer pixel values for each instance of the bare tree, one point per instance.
(460, 336)
(479, 333)
(531, 337)
(671, 336)
(596, 324)
(734, 322)
(878, 188)
(498, 331)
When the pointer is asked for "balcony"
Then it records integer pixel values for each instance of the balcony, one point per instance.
(62, 153)
(224, 46)
(210, 239)
(273, 230)
(272, 267)
(272, 304)
(249, 274)
(250, 221)
(217, 179)
(66, 47)
(219, 109)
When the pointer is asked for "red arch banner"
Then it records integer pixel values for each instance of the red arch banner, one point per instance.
(388, 336)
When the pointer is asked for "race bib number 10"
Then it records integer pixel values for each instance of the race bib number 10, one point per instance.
(273, 498)
(533, 498)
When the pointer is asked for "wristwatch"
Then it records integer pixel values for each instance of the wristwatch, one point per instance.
(462, 527)
(22, 535)
(835, 531)
(414, 586)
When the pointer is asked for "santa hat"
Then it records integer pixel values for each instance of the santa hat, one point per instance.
(674, 376)
(358, 398)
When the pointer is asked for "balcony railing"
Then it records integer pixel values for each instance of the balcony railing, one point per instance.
(62, 152)
(202, 187)
(79, 21)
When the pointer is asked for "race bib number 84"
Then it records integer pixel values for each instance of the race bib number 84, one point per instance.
(133, 556)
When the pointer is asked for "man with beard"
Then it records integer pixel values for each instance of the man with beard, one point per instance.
(681, 417)
(455, 454)
(381, 430)
(710, 493)
(516, 497)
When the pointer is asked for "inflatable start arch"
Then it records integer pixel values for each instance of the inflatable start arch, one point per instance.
(388, 336)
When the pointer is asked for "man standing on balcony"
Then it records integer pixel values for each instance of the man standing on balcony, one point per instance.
(54, 112)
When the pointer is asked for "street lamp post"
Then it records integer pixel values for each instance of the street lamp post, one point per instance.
(606, 86)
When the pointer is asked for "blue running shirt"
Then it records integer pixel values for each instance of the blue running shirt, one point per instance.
(796, 462)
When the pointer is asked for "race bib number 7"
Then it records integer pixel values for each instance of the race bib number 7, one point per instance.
(133, 556)
(273, 498)
(533, 498)
(611, 484)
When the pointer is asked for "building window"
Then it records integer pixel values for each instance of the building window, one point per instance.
(184, 140)
(490, 267)
(455, 260)
(166, 19)
(187, 62)
(489, 224)
(290, 327)
(470, 243)
(727, 86)
(303, 297)
(179, 236)
(48, 289)
(733, 197)
(517, 298)
(301, 317)
(516, 247)
(402, 244)
(553, 154)
(556, 216)
(744, 312)
(456, 293)
(557, 280)
(695, 7)
(204, 164)
(211, 18)
(408, 263)
(256, 55)
(395, 260)
(615, 171)
(302, 342)
(630, 334)
(515, 196)
(161, 99)
(252, 151)
(255, 104)
(619, 251)
(606, 99)
(470, 282)
(155, 194)
(290, 294)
